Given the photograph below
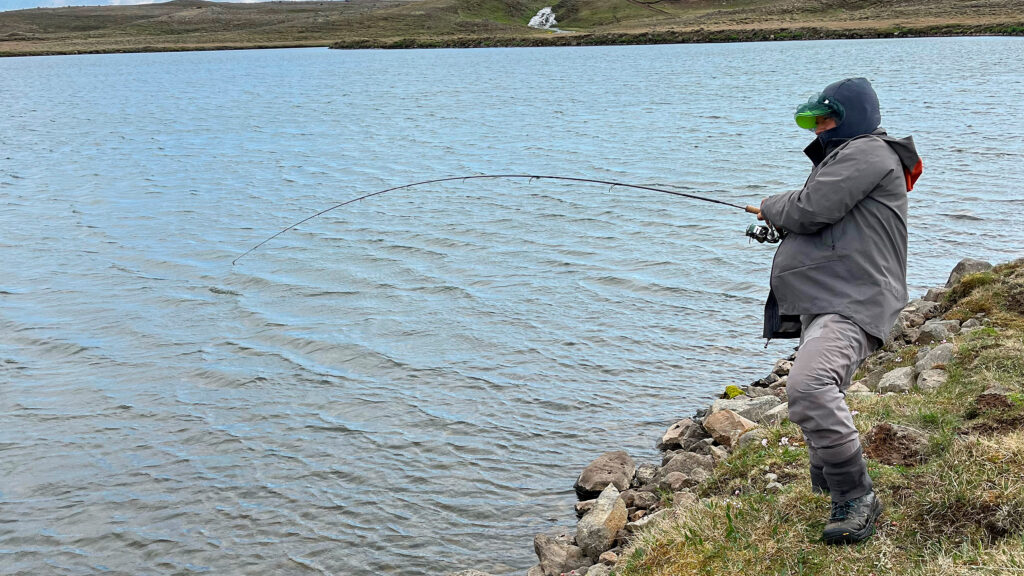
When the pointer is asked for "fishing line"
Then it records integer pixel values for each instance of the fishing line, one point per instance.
(531, 177)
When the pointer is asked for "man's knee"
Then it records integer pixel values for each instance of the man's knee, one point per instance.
(804, 391)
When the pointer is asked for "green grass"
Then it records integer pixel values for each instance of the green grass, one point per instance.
(960, 512)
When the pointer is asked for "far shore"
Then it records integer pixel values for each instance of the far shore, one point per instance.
(606, 39)
(192, 25)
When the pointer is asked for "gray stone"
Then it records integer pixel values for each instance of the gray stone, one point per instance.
(596, 532)
(931, 379)
(694, 467)
(858, 389)
(641, 523)
(896, 445)
(911, 334)
(773, 487)
(702, 447)
(779, 384)
(965, 267)
(771, 477)
(750, 408)
(727, 426)
(752, 437)
(684, 499)
(682, 434)
(905, 322)
(668, 456)
(922, 308)
(535, 570)
(936, 294)
(781, 395)
(609, 558)
(674, 481)
(599, 570)
(938, 356)
(922, 353)
(953, 326)
(782, 367)
(898, 380)
(719, 453)
(615, 468)
(469, 573)
(873, 377)
(644, 474)
(915, 320)
(971, 324)
(557, 553)
(645, 500)
(776, 415)
(584, 506)
(759, 392)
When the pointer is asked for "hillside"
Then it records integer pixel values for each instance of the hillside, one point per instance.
(201, 25)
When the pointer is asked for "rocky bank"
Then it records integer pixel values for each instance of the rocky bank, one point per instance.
(618, 498)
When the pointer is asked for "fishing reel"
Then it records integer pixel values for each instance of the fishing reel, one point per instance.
(764, 233)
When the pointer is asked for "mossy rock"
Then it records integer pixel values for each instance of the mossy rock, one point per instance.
(732, 391)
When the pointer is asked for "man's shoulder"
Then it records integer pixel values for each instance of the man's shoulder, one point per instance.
(867, 146)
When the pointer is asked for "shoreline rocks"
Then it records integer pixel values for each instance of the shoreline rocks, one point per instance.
(618, 498)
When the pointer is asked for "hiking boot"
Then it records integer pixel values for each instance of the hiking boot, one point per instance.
(852, 521)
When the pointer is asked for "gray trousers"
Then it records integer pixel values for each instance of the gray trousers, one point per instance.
(831, 349)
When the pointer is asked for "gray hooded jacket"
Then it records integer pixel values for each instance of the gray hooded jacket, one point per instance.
(846, 248)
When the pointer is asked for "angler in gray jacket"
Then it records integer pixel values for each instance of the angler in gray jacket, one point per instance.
(838, 283)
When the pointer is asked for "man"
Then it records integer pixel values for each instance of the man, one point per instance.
(838, 282)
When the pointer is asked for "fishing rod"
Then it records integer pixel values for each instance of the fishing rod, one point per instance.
(758, 234)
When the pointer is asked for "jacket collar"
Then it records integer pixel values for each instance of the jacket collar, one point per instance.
(817, 150)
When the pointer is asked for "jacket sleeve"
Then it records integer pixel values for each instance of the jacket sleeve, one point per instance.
(833, 191)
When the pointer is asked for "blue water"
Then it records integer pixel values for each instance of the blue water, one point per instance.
(411, 384)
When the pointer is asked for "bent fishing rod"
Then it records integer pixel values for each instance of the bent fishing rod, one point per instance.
(758, 234)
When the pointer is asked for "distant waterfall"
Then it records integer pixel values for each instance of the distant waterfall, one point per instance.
(544, 19)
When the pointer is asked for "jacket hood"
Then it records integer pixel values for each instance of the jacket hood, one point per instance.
(859, 105)
(909, 158)
(904, 148)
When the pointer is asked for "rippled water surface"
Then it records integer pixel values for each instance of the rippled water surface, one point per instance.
(409, 385)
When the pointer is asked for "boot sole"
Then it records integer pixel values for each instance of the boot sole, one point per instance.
(859, 536)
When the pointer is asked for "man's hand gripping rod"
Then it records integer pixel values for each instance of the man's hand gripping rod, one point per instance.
(763, 232)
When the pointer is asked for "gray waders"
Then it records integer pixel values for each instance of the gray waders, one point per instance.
(831, 349)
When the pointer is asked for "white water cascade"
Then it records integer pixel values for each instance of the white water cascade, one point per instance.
(544, 19)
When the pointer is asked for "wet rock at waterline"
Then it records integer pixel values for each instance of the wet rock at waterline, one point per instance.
(682, 435)
(615, 468)
(596, 532)
(645, 474)
(965, 267)
(558, 554)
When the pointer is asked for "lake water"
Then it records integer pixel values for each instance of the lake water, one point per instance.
(411, 384)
